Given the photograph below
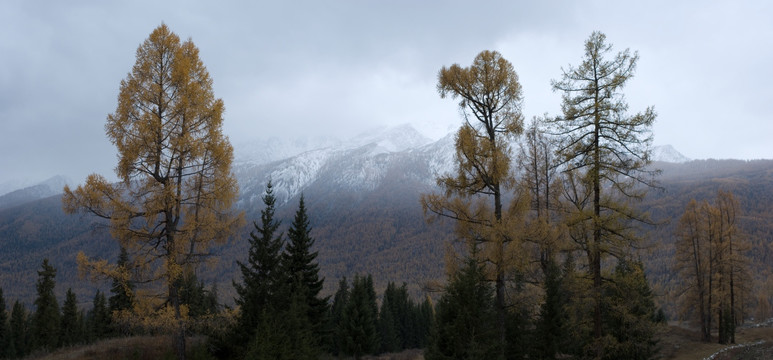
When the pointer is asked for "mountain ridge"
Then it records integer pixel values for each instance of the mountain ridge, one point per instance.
(363, 202)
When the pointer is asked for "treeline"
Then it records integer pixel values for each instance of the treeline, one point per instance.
(50, 326)
(281, 314)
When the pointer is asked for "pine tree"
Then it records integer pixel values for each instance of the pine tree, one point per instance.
(299, 263)
(193, 293)
(46, 320)
(262, 276)
(337, 313)
(20, 337)
(70, 331)
(285, 334)
(5, 332)
(465, 321)
(98, 318)
(426, 321)
(122, 289)
(632, 312)
(388, 332)
(359, 333)
(552, 315)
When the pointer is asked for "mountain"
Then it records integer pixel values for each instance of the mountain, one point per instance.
(667, 153)
(362, 197)
(49, 187)
(14, 184)
(360, 164)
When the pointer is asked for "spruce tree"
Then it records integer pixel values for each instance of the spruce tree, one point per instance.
(261, 275)
(631, 307)
(550, 325)
(359, 324)
(465, 325)
(337, 312)
(123, 290)
(299, 262)
(193, 293)
(4, 331)
(387, 329)
(46, 320)
(426, 317)
(70, 332)
(98, 318)
(19, 341)
(285, 334)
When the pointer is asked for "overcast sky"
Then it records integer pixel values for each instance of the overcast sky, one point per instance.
(305, 69)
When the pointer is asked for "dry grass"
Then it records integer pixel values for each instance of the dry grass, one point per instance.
(676, 342)
(131, 348)
(679, 343)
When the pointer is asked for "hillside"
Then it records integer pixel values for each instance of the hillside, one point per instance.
(363, 201)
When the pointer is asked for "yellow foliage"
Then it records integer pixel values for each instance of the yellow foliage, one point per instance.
(490, 101)
(176, 191)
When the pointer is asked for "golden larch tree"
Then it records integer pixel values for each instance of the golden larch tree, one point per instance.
(711, 263)
(490, 100)
(609, 149)
(176, 190)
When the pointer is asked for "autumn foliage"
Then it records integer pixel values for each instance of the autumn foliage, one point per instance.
(176, 190)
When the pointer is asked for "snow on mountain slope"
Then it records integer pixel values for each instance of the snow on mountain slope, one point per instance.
(667, 153)
(49, 187)
(14, 184)
(263, 151)
(365, 163)
(395, 139)
(358, 164)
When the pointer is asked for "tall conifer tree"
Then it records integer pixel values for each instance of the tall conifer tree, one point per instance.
(262, 276)
(175, 197)
(20, 338)
(4, 331)
(122, 288)
(632, 313)
(71, 330)
(387, 329)
(465, 318)
(299, 262)
(46, 320)
(99, 317)
(475, 197)
(337, 313)
(610, 150)
(359, 332)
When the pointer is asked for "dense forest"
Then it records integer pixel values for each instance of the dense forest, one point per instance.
(572, 244)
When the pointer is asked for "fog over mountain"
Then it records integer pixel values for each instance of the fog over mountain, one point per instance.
(363, 200)
(294, 164)
(50, 187)
(360, 163)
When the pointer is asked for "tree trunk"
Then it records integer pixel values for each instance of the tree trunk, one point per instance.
(179, 336)
(733, 322)
(596, 265)
(500, 277)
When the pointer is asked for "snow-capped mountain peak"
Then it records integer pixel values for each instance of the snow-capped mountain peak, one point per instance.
(49, 187)
(667, 153)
